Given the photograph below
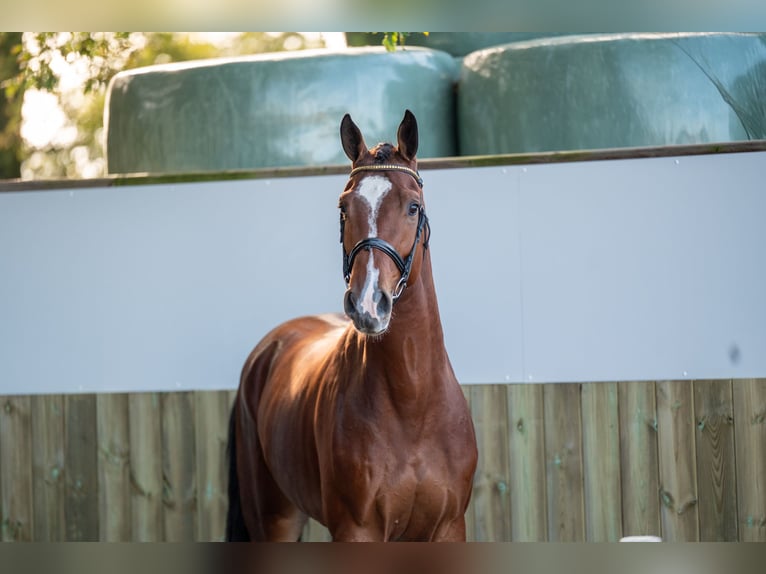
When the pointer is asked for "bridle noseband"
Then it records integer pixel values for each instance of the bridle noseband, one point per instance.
(404, 265)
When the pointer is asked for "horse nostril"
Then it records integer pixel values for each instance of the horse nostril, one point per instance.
(384, 304)
(349, 303)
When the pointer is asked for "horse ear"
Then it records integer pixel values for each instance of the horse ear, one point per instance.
(351, 139)
(408, 136)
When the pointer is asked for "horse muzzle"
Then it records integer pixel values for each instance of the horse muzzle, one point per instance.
(370, 314)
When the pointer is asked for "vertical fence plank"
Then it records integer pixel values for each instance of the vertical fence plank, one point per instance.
(82, 488)
(639, 465)
(601, 462)
(678, 468)
(526, 447)
(114, 467)
(470, 530)
(680, 432)
(179, 467)
(315, 532)
(16, 481)
(2, 506)
(48, 466)
(492, 509)
(212, 418)
(750, 431)
(146, 466)
(563, 455)
(716, 476)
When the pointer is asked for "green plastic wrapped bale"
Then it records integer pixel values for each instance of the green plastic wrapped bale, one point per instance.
(608, 91)
(275, 110)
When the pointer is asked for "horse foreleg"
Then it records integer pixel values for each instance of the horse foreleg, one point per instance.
(285, 528)
(269, 514)
(452, 532)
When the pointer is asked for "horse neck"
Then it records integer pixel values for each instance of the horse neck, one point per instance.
(411, 355)
(417, 313)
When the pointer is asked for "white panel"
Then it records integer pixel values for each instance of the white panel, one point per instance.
(476, 259)
(158, 287)
(645, 269)
(636, 269)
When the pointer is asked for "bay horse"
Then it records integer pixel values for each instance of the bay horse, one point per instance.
(358, 421)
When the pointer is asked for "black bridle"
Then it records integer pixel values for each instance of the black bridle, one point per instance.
(403, 264)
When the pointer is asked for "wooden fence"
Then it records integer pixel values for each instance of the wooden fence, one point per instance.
(596, 461)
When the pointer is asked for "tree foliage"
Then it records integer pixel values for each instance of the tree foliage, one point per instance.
(41, 61)
(389, 40)
(10, 107)
(393, 39)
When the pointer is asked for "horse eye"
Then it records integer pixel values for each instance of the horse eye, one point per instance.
(342, 211)
(414, 208)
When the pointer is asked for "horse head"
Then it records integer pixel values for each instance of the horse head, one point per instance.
(383, 221)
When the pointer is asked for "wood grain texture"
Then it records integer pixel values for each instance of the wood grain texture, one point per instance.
(179, 467)
(601, 462)
(678, 426)
(146, 466)
(48, 465)
(526, 447)
(563, 457)
(16, 481)
(470, 534)
(639, 463)
(750, 430)
(492, 501)
(716, 473)
(211, 413)
(678, 468)
(82, 499)
(114, 467)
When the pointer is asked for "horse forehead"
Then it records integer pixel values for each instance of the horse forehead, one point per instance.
(373, 189)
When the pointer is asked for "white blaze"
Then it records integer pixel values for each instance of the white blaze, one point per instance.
(368, 304)
(373, 189)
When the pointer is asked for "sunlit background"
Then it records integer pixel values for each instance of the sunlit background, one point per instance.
(56, 125)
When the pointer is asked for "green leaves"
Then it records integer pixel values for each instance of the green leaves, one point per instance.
(393, 39)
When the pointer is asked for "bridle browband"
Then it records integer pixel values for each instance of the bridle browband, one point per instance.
(388, 167)
(404, 265)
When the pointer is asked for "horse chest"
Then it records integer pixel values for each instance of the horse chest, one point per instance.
(406, 487)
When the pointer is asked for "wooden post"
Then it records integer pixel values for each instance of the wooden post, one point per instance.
(639, 465)
(563, 456)
(82, 488)
(601, 462)
(212, 417)
(678, 468)
(750, 430)
(492, 504)
(16, 480)
(48, 466)
(114, 467)
(526, 447)
(179, 467)
(146, 466)
(470, 530)
(716, 475)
